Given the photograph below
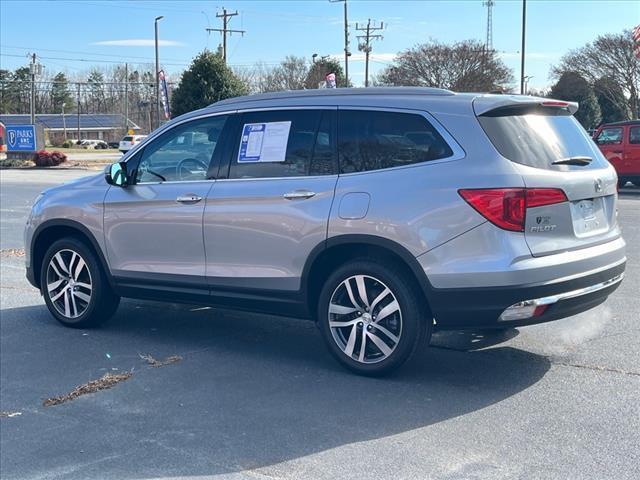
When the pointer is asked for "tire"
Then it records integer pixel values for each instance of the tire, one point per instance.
(82, 298)
(409, 324)
(621, 182)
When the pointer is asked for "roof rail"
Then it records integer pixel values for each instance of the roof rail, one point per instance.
(331, 92)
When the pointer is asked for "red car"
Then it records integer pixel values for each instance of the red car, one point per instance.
(620, 144)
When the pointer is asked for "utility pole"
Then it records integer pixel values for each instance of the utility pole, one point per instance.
(225, 30)
(156, 76)
(524, 26)
(347, 53)
(126, 98)
(489, 4)
(366, 46)
(34, 69)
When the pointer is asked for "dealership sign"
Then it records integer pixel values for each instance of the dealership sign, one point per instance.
(21, 138)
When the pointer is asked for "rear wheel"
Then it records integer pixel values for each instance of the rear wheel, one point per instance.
(372, 317)
(74, 285)
(622, 182)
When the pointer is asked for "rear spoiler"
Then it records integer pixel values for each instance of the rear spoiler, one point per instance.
(488, 103)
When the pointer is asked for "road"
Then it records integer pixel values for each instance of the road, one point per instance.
(258, 397)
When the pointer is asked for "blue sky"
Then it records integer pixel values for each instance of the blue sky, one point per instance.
(105, 32)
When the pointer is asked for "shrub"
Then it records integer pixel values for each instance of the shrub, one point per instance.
(42, 158)
(67, 144)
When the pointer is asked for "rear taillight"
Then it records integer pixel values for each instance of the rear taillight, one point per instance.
(507, 207)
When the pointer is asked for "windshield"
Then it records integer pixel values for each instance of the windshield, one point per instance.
(539, 136)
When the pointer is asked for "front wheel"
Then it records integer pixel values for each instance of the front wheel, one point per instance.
(75, 286)
(372, 317)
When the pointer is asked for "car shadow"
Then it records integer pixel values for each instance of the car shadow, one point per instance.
(250, 391)
(467, 340)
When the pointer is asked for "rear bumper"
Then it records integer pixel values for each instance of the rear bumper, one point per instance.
(481, 307)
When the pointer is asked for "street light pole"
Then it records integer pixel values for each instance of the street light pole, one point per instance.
(157, 72)
(524, 26)
(526, 83)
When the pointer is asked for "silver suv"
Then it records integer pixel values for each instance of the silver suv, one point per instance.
(382, 214)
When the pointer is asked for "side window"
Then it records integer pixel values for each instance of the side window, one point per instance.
(183, 153)
(634, 135)
(284, 143)
(372, 140)
(609, 136)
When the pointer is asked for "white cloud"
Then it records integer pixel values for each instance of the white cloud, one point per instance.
(139, 42)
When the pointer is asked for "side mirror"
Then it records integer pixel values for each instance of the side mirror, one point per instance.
(116, 174)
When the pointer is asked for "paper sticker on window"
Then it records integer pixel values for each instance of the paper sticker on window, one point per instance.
(264, 142)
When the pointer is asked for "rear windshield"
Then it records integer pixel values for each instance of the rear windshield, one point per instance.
(127, 139)
(538, 136)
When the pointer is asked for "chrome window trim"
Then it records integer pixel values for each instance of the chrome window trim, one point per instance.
(309, 177)
(173, 181)
(458, 151)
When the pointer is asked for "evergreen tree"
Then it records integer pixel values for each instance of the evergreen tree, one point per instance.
(207, 80)
(572, 87)
(60, 94)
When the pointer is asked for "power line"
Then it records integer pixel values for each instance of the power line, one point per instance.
(93, 60)
(224, 30)
(366, 46)
(14, 47)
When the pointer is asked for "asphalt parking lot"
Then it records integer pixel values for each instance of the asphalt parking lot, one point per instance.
(255, 397)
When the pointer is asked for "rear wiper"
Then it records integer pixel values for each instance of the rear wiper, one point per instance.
(573, 161)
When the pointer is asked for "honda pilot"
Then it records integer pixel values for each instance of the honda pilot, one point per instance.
(382, 214)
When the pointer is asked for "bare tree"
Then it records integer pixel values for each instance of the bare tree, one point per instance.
(609, 56)
(290, 74)
(465, 66)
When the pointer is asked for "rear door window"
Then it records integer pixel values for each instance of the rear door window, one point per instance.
(634, 135)
(284, 143)
(373, 140)
(609, 136)
(538, 136)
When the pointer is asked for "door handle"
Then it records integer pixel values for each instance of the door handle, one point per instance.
(299, 195)
(190, 198)
(616, 151)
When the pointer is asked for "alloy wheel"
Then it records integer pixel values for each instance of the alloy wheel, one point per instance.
(68, 283)
(365, 319)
